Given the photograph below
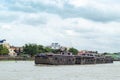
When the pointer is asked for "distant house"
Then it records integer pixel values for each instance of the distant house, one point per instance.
(14, 51)
(86, 52)
(11, 50)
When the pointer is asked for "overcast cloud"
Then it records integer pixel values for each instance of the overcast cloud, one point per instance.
(83, 24)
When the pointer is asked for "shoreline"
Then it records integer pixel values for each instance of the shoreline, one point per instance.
(8, 58)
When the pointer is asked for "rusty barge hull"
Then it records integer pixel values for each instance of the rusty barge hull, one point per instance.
(57, 59)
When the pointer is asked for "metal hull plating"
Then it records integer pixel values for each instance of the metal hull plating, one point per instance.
(70, 59)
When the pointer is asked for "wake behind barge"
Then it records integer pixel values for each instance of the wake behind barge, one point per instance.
(66, 58)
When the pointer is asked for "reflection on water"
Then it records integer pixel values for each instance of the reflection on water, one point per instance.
(27, 70)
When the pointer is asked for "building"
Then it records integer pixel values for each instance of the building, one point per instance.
(87, 52)
(55, 46)
(13, 51)
(16, 50)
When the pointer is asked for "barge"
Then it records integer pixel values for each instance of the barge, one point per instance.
(66, 58)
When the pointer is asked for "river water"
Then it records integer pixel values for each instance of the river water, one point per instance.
(27, 70)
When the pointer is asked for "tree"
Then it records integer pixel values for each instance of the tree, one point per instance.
(3, 50)
(1, 47)
(40, 49)
(30, 49)
(47, 49)
(73, 50)
(105, 53)
(56, 51)
(33, 49)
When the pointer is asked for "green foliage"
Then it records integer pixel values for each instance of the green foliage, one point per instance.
(33, 49)
(56, 51)
(106, 53)
(30, 49)
(1, 47)
(40, 49)
(47, 49)
(3, 50)
(73, 50)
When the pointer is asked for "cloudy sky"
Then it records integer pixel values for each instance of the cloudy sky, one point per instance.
(83, 24)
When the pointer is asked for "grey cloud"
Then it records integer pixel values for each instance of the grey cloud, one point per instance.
(68, 11)
(35, 21)
(7, 18)
(88, 34)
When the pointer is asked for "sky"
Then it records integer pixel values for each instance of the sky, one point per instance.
(83, 24)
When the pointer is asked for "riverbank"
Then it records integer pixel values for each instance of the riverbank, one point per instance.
(7, 58)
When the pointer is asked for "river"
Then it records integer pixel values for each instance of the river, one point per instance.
(27, 70)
